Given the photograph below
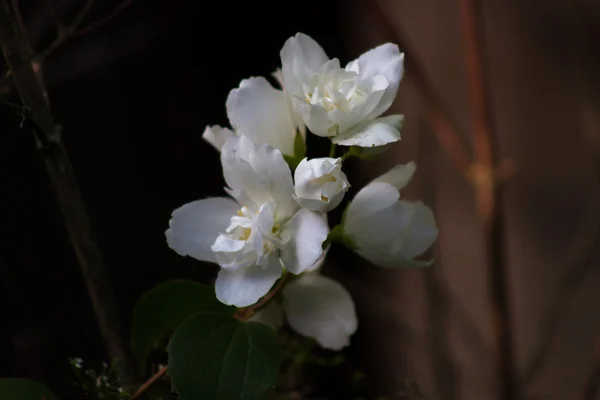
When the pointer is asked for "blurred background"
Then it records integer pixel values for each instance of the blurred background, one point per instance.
(134, 94)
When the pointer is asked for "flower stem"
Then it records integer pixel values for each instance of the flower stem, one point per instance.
(332, 150)
(161, 372)
(243, 314)
(246, 313)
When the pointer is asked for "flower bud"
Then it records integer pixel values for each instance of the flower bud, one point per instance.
(320, 184)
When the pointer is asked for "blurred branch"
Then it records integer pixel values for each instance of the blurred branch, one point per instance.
(17, 54)
(439, 116)
(488, 201)
(74, 30)
(559, 304)
(439, 304)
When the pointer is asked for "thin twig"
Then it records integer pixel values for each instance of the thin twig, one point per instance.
(74, 30)
(488, 201)
(17, 54)
(142, 389)
(103, 21)
(64, 33)
(442, 127)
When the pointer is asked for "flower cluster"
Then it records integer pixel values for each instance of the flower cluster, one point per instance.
(274, 219)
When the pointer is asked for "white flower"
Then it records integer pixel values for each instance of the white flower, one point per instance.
(320, 183)
(344, 103)
(260, 112)
(255, 235)
(217, 136)
(319, 307)
(315, 306)
(385, 230)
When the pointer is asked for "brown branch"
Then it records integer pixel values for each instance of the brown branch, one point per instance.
(17, 54)
(74, 30)
(246, 313)
(161, 372)
(442, 125)
(103, 21)
(488, 201)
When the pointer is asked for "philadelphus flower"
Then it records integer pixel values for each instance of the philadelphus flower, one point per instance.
(315, 306)
(385, 230)
(344, 103)
(320, 183)
(261, 113)
(254, 234)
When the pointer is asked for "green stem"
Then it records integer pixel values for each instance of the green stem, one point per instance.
(332, 150)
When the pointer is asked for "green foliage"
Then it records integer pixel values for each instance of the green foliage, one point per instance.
(215, 356)
(103, 384)
(160, 311)
(24, 389)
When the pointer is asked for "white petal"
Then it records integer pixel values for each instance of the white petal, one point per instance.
(378, 132)
(307, 231)
(246, 286)
(271, 315)
(320, 308)
(259, 111)
(383, 60)
(374, 197)
(397, 234)
(276, 176)
(195, 226)
(217, 136)
(399, 176)
(258, 175)
(421, 233)
(305, 53)
(315, 117)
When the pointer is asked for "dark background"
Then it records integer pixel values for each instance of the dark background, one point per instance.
(135, 95)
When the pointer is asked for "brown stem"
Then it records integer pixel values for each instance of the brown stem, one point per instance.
(487, 192)
(75, 30)
(242, 314)
(247, 312)
(18, 55)
(161, 372)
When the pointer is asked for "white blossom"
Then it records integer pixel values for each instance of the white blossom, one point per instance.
(344, 103)
(256, 232)
(317, 307)
(320, 184)
(260, 112)
(385, 230)
(321, 308)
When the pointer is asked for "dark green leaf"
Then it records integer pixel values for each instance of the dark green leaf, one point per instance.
(24, 389)
(215, 356)
(160, 311)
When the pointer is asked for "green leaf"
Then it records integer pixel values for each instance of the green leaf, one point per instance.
(215, 356)
(24, 389)
(160, 311)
